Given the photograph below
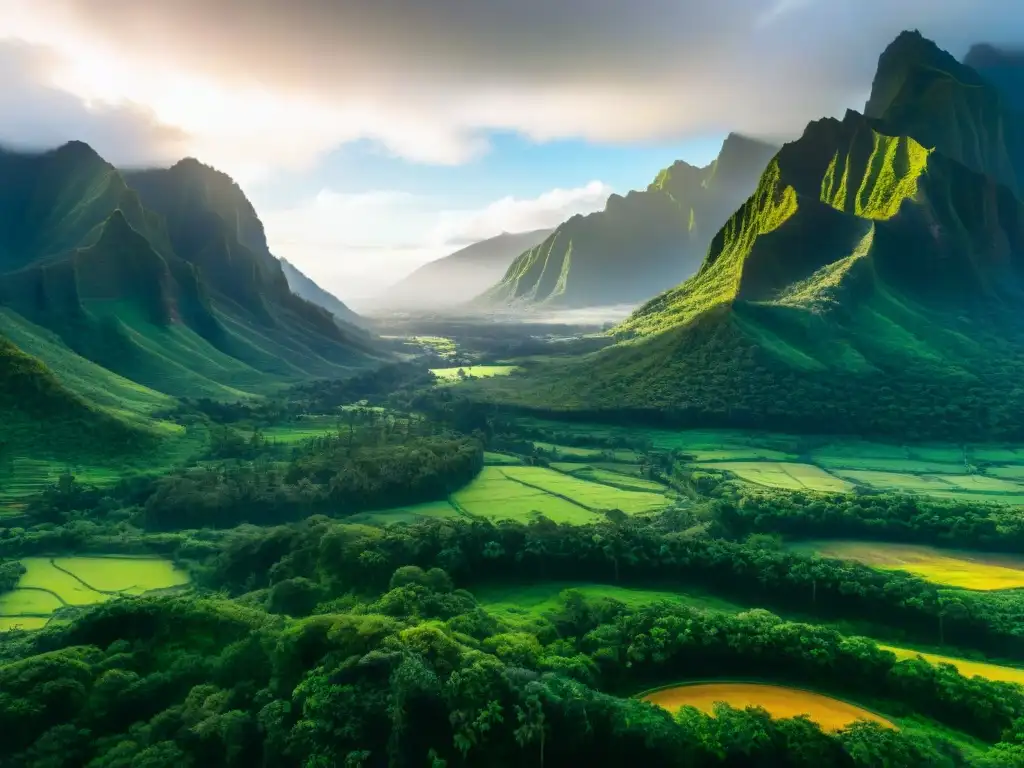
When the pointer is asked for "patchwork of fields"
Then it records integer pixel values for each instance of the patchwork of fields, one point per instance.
(985, 571)
(50, 584)
(505, 489)
(975, 473)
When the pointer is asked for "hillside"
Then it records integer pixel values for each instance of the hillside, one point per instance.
(639, 244)
(304, 287)
(1002, 68)
(458, 277)
(37, 411)
(166, 282)
(870, 285)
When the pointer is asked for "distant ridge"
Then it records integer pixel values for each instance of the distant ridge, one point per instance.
(460, 276)
(304, 287)
(639, 244)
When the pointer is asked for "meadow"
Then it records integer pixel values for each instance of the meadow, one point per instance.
(982, 571)
(451, 375)
(780, 701)
(965, 667)
(974, 473)
(52, 583)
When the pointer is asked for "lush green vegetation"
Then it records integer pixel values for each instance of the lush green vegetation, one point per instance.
(209, 556)
(665, 229)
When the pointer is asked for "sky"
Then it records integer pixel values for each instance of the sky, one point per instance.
(375, 135)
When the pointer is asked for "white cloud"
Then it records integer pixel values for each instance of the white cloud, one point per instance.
(510, 214)
(355, 245)
(260, 84)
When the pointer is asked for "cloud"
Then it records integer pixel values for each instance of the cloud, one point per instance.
(510, 214)
(35, 115)
(358, 244)
(265, 84)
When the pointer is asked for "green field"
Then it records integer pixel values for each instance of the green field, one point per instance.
(520, 604)
(495, 496)
(984, 571)
(500, 459)
(49, 584)
(981, 473)
(610, 477)
(778, 474)
(310, 426)
(451, 375)
(412, 514)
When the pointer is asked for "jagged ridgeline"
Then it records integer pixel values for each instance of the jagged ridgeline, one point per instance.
(156, 283)
(639, 244)
(872, 283)
(161, 276)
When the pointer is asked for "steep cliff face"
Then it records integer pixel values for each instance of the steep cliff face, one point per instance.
(874, 281)
(639, 244)
(165, 280)
(923, 92)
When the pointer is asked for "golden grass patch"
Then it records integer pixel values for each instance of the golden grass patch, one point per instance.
(965, 667)
(781, 702)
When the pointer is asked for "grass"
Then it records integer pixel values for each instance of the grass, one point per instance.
(451, 375)
(49, 584)
(495, 458)
(311, 426)
(965, 667)
(617, 479)
(787, 475)
(411, 514)
(496, 496)
(594, 495)
(525, 604)
(952, 568)
(780, 701)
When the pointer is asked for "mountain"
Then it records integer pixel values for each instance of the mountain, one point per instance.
(305, 288)
(458, 277)
(923, 92)
(872, 284)
(1002, 68)
(158, 277)
(639, 244)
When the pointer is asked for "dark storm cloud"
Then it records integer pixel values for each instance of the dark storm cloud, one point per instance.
(34, 115)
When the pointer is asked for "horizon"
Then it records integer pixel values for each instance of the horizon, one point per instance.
(363, 176)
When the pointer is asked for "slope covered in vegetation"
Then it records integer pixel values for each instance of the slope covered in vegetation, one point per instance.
(639, 244)
(871, 283)
(168, 282)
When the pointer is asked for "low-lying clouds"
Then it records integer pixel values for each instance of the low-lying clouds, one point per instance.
(510, 214)
(359, 244)
(428, 79)
(35, 115)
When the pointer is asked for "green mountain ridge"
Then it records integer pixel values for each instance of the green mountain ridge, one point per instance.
(304, 287)
(872, 283)
(166, 283)
(460, 276)
(639, 244)
(923, 92)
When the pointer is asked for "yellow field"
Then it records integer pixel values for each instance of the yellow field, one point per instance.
(831, 714)
(953, 568)
(964, 667)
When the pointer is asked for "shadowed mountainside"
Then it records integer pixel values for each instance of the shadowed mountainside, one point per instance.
(460, 276)
(161, 277)
(639, 244)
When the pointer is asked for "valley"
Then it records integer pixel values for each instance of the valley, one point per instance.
(771, 516)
